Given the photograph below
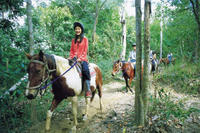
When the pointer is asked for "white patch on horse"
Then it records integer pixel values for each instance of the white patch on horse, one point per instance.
(73, 79)
(93, 75)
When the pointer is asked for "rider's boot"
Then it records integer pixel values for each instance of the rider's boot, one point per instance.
(88, 93)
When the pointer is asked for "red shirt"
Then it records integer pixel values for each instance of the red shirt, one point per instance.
(79, 50)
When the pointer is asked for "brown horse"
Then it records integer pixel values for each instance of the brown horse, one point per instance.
(127, 71)
(166, 61)
(68, 85)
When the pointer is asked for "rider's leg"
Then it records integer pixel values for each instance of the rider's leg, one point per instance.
(86, 74)
(88, 91)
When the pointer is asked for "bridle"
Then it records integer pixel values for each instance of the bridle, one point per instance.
(44, 80)
(119, 67)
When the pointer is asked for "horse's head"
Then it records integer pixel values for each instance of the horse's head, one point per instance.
(116, 67)
(161, 60)
(37, 74)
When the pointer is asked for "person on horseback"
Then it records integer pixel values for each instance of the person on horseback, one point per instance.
(151, 55)
(169, 56)
(132, 56)
(154, 60)
(78, 51)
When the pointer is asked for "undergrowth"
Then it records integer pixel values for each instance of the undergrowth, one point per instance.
(183, 77)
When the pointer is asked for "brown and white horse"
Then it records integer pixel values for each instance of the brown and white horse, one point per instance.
(166, 61)
(43, 66)
(127, 72)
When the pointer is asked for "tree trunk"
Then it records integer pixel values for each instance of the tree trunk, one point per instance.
(30, 26)
(196, 12)
(123, 22)
(95, 22)
(161, 31)
(145, 81)
(96, 19)
(197, 46)
(139, 110)
(31, 51)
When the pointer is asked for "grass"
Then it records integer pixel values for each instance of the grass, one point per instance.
(183, 77)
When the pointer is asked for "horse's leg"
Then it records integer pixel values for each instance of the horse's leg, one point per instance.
(54, 104)
(87, 101)
(93, 94)
(127, 85)
(130, 80)
(99, 88)
(74, 111)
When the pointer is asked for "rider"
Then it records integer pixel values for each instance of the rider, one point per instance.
(153, 59)
(169, 56)
(151, 54)
(79, 48)
(132, 56)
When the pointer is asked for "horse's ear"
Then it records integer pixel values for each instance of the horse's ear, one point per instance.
(41, 54)
(28, 56)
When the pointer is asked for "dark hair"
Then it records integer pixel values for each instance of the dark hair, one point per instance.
(81, 36)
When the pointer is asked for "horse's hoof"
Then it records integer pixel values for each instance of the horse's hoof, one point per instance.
(84, 117)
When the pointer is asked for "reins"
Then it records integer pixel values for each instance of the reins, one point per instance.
(49, 71)
(51, 82)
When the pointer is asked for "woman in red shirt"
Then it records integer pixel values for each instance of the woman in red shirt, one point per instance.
(79, 47)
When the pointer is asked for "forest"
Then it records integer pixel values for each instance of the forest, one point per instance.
(165, 101)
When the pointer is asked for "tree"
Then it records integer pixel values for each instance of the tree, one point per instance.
(58, 24)
(196, 12)
(123, 40)
(139, 112)
(30, 26)
(98, 9)
(161, 31)
(190, 8)
(145, 82)
(142, 80)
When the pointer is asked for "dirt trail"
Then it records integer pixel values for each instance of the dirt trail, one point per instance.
(115, 102)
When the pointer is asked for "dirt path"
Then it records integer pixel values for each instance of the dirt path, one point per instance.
(115, 102)
(114, 119)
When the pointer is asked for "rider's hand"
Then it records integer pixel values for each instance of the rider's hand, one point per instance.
(79, 60)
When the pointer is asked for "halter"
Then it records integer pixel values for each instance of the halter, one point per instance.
(120, 66)
(43, 75)
(49, 71)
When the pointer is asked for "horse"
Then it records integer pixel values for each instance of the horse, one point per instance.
(68, 85)
(166, 61)
(127, 71)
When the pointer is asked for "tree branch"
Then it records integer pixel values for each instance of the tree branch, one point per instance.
(102, 5)
(196, 10)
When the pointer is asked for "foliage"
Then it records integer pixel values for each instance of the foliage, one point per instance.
(165, 107)
(179, 29)
(183, 77)
(53, 31)
(167, 113)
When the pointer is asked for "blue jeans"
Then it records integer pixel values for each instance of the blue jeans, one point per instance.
(85, 70)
